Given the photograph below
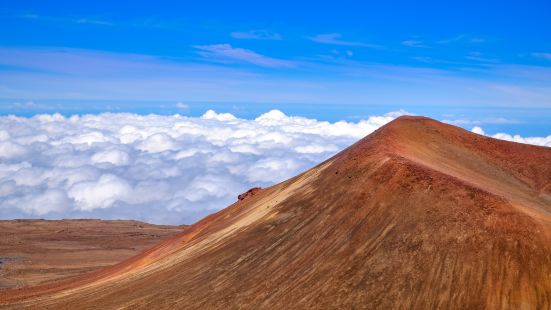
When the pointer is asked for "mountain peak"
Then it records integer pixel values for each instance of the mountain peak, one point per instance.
(408, 126)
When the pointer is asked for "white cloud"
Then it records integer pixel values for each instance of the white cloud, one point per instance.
(212, 115)
(102, 193)
(335, 39)
(546, 56)
(541, 141)
(85, 138)
(228, 53)
(77, 74)
(4, 135)
(164, 169)
(156, 143)
(161, 169)
(457, 38)
(27, 105)
(182, 106)
(51, 200)
(261, 34)
(413, 43)
(487, 120)
(478, 130)
(9, 150)
(115, 157)
(72, 19)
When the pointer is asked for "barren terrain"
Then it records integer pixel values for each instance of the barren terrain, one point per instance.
(38, 251)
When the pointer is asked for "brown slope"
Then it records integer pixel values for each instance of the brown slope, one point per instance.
(417, 215)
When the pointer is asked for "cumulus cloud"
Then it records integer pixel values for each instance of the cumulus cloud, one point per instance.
(541, 141)
(161, 169)
(478, 130)
(102, 193)
(156, 143)
(115, 157)
(9, 150)
(48, 201)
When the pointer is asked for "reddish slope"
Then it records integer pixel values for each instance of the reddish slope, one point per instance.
(419, 214)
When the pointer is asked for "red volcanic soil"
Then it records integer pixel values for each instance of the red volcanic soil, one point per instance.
(417, 215)
(38, 251)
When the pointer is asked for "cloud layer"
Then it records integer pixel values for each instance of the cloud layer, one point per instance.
(161, 169)
(542, 141)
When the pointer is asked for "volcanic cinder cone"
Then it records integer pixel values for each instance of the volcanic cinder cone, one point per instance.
(418, 215)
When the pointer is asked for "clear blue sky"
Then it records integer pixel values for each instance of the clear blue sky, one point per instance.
(485, 61)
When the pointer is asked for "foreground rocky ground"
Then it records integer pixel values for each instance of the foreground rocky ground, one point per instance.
(38, 251)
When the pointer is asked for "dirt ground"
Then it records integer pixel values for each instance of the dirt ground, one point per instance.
(38, 251)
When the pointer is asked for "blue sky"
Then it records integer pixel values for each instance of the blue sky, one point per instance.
(486, 63)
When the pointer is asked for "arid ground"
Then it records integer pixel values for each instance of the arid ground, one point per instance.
(38, 251)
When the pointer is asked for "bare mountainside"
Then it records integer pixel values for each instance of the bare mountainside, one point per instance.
(39, 251)
(418, 214)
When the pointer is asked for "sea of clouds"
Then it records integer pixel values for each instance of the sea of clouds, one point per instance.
(160, 169)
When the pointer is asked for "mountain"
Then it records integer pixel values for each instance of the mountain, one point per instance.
(418, 215)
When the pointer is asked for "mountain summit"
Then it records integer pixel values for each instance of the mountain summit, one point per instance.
(419, 215)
